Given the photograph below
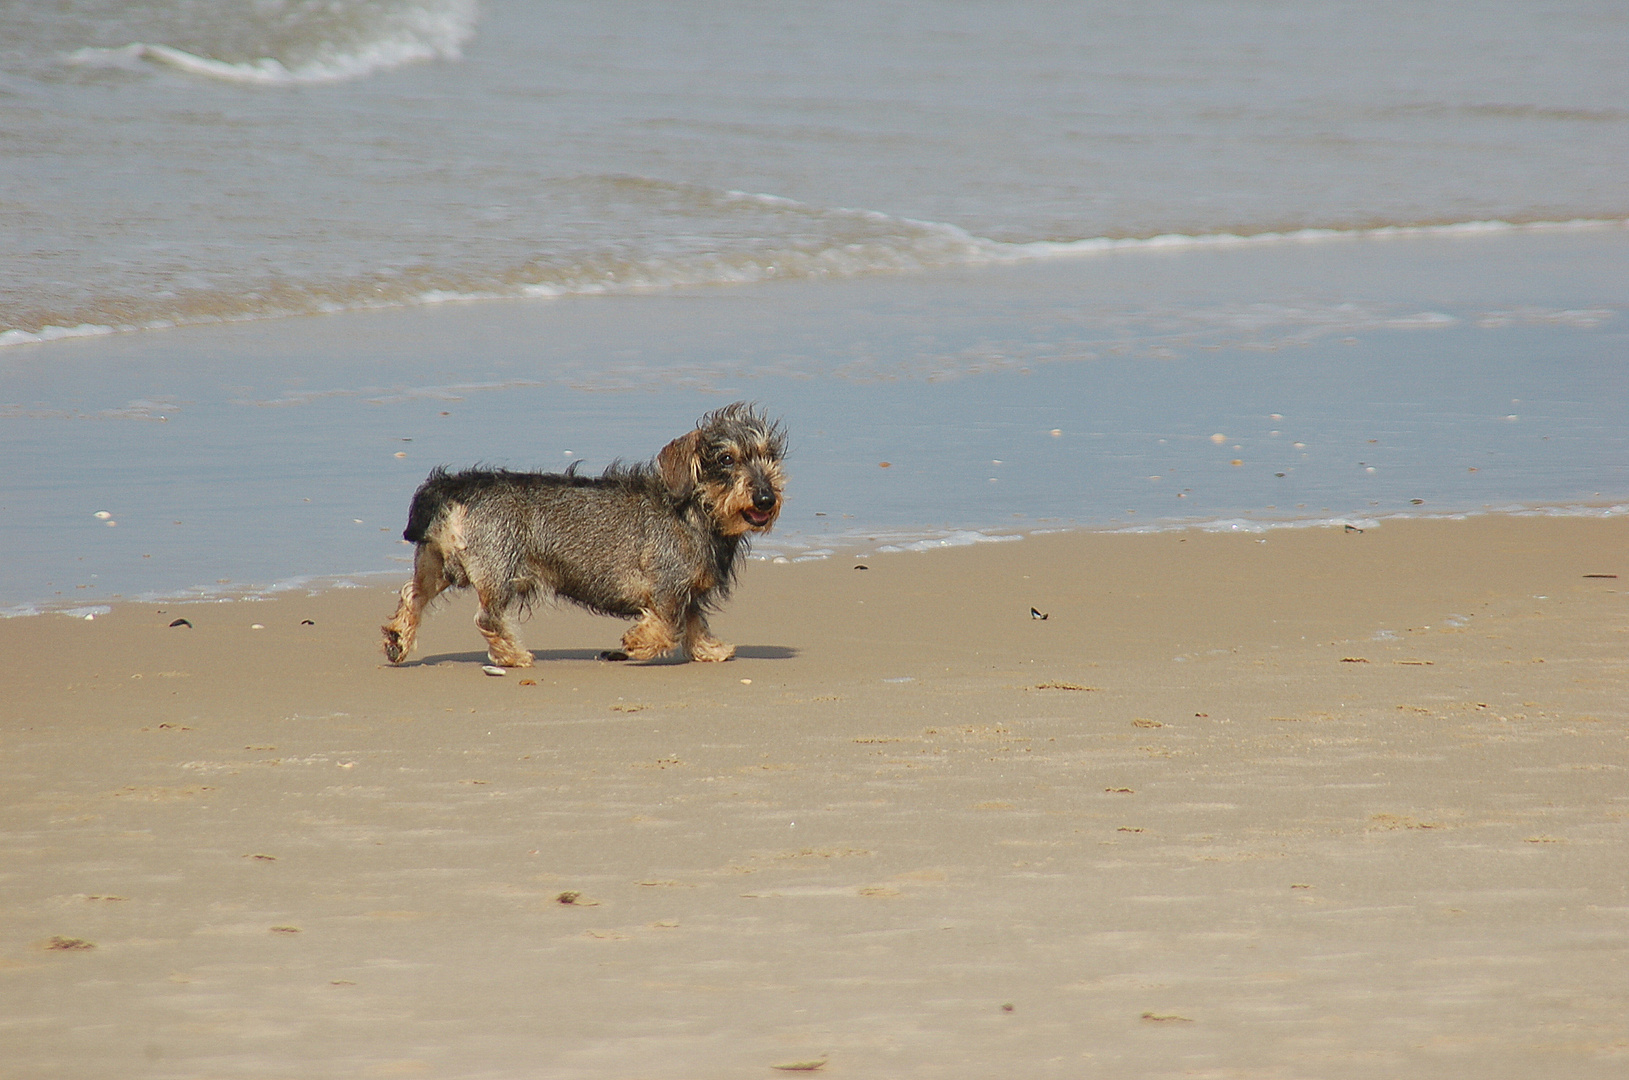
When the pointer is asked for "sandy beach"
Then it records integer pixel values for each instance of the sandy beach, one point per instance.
(1309, 803)
(1319, 774)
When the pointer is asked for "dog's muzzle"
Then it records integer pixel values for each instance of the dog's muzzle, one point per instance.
(763, 508)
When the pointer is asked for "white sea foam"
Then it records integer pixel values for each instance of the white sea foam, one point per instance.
(54, 333)
(84, 611)
(1075, 248)
(1258, 526)
(955, 538)
(410, 34)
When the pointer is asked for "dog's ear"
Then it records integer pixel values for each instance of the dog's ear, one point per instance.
(680, 464)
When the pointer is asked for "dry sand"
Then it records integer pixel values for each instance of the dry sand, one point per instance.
(1314, 804)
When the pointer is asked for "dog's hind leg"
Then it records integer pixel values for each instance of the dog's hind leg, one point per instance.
(496, 622)
(429, 579)
(699, 643)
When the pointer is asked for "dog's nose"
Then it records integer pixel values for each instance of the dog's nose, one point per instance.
(763, 501)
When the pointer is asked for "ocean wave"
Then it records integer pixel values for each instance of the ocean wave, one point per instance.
(330, 43)
(716, 238)
(1062, 249)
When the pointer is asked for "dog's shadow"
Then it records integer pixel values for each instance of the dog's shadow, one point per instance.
(549, 656)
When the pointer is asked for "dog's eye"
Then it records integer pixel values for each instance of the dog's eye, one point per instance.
(726, 459)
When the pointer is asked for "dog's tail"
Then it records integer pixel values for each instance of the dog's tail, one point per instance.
(428, 501)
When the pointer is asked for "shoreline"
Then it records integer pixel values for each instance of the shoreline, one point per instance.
(1303, 803)
(777, 548)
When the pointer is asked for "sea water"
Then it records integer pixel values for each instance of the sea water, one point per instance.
(1001, 267)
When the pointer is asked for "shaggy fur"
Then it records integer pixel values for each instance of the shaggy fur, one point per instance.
(657, 542)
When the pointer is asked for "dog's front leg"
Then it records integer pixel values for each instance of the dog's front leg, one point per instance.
(428, 581)
(653, 635)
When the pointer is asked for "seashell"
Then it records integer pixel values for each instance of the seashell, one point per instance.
(493, 669)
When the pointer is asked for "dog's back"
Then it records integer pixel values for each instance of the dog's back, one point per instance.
(443, 490)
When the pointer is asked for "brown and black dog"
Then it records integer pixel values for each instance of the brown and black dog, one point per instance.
(657, 542)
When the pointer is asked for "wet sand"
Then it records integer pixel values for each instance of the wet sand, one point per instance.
(1317, 803)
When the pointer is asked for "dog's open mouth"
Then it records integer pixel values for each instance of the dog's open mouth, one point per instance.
(756, 518)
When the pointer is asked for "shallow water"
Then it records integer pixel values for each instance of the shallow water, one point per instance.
(1181, 236)
(1230, 387)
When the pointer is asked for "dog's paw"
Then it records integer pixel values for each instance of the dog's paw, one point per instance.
(394, 652)
(712, 651)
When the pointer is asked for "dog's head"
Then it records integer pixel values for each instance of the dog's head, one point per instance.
(732, 461)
